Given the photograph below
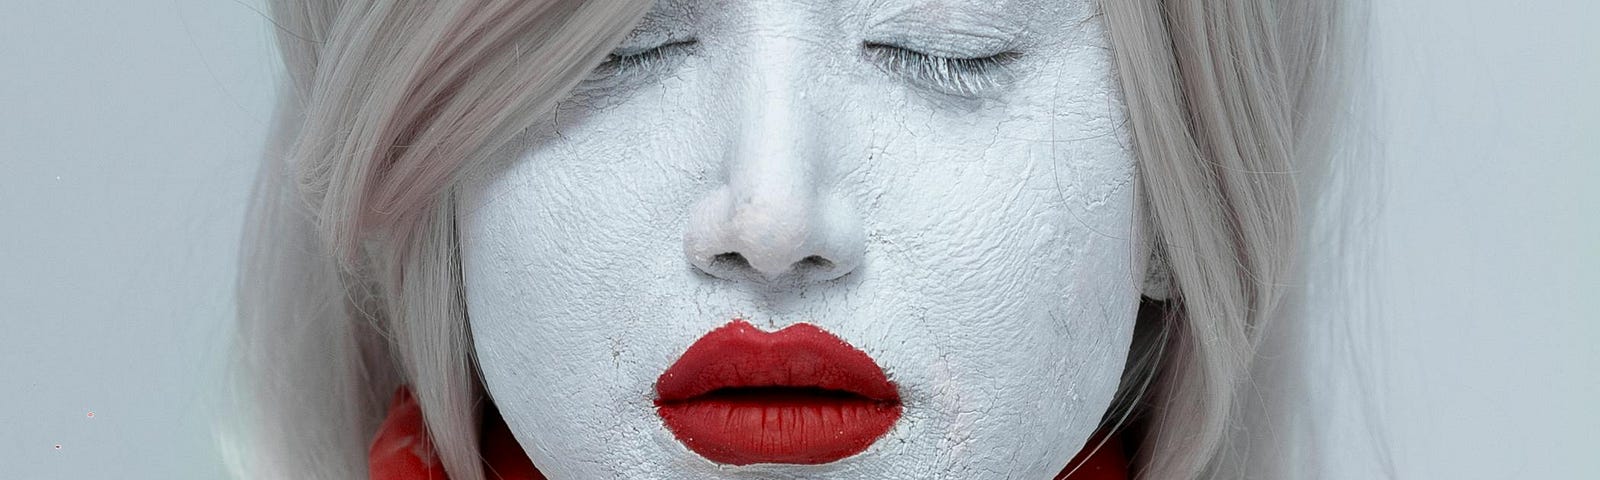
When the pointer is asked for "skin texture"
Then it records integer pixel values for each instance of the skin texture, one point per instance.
(976, 235)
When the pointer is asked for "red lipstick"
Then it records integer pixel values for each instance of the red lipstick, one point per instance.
(799, 395)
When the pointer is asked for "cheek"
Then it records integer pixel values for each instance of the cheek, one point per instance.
(554, 253)
(1021, 256)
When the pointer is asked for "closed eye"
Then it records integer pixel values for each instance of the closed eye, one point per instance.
(629, 60)
(956, 75)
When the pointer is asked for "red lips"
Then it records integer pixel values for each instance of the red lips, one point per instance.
(800, 395)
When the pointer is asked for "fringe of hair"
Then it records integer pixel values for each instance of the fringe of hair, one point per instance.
(351, 283)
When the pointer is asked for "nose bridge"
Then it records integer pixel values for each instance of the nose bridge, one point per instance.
(774, 135)
(772, 170)
(774, 167)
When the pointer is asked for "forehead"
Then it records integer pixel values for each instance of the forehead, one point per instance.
(1035, 15)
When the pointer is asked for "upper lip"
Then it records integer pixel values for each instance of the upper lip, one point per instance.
(738, 356)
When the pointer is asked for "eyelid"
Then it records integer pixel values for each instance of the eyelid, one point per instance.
(999, 54)
(959, 75)
(624, 53)
(949, 45)
(967, 30)
(628, 59)
(632, 51)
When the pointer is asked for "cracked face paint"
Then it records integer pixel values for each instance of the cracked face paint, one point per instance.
(946, 186)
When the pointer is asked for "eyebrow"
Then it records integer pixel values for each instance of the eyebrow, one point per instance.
(992, 11)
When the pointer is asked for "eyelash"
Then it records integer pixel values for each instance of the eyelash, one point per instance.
(644, 61)
(960, 76)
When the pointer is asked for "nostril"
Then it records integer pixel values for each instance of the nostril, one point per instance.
(733, 265)
(731, 261)
(815, 262)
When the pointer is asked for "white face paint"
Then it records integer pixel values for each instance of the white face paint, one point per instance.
(979, 221)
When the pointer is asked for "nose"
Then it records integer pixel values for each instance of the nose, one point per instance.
(770, 230)
(774, 217)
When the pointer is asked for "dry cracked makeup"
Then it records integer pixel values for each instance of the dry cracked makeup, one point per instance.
(944, 187)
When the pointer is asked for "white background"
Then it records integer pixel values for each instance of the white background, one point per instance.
(129, 133)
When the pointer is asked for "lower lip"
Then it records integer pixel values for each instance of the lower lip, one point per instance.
(779, 425)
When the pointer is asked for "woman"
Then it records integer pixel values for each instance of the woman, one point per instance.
(883, 239)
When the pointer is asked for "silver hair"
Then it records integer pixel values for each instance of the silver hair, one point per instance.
(351, 283)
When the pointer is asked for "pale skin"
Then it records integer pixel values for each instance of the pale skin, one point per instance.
(970, 226)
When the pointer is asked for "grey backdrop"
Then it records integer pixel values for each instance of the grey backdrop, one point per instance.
(129, 132)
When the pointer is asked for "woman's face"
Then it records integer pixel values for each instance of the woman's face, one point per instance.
(966, 222)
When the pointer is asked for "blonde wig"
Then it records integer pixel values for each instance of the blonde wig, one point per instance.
(351, 281)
